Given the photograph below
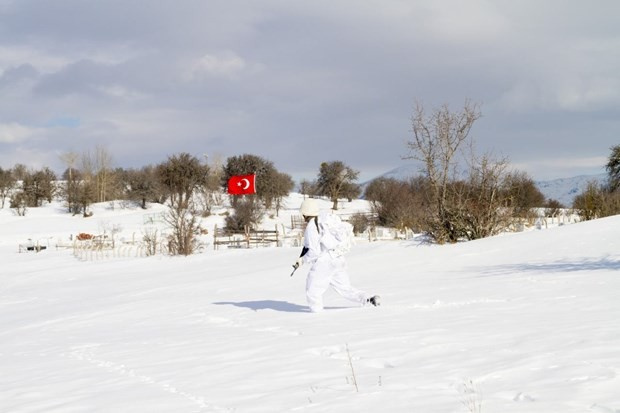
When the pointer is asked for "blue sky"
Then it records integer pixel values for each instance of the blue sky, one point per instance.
(301, 82)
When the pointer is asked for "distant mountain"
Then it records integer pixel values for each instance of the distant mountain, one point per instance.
(402, 172)
(563, 189)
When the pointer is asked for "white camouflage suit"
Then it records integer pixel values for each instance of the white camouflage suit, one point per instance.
(327, 267)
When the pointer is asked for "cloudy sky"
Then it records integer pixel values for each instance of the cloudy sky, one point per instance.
(299, 82)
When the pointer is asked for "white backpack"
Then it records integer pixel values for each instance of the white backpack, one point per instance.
(340, 230)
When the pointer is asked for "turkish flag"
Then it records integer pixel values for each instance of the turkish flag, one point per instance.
(242, 184)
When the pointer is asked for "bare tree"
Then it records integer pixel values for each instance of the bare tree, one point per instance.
(151, 240)
(19, 203)
(437, 138)
(70, 160)
(482, 212)
(103, 169)
(209, 192)
(71, 176)
(87, 186)
(180, 176)
(308, 188)
(185, 226)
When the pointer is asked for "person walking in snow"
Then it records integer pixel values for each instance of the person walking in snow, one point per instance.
(328, 266)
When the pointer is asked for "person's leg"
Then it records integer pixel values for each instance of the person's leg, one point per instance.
(316, 285)
(341, 283)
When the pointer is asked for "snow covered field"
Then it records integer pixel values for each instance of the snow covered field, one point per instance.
(524, 322)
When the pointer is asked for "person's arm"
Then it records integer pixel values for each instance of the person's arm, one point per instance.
(312, 242)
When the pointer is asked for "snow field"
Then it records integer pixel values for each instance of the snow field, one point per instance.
(519, 322)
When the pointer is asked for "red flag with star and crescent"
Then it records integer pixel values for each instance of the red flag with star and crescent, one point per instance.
(242, 184)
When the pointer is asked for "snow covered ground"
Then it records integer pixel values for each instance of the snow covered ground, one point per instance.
(524, 322)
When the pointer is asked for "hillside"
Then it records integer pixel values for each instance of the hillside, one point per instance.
(565, 190)
(519, 322)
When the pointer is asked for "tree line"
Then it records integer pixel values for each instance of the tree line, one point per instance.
(459, 194)
(189, 186)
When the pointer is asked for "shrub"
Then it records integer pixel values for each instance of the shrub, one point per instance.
(19, 203)
(589, 203)
(360, 222)
(185, 227)
(610, 204)
(553, 207)
(247, 214)
(398, 204)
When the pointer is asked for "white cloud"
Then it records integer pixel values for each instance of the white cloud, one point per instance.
(14, 133)
(120, 92)
(221, 75)
(588, 93)
(564, 92)
(459, 21)
(225, 65)
(17, 55)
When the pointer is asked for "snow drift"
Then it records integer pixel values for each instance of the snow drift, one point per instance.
(519, 322)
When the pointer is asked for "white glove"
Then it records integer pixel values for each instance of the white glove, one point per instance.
(298, 263)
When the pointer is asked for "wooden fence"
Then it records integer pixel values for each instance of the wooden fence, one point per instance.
(247, 238)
